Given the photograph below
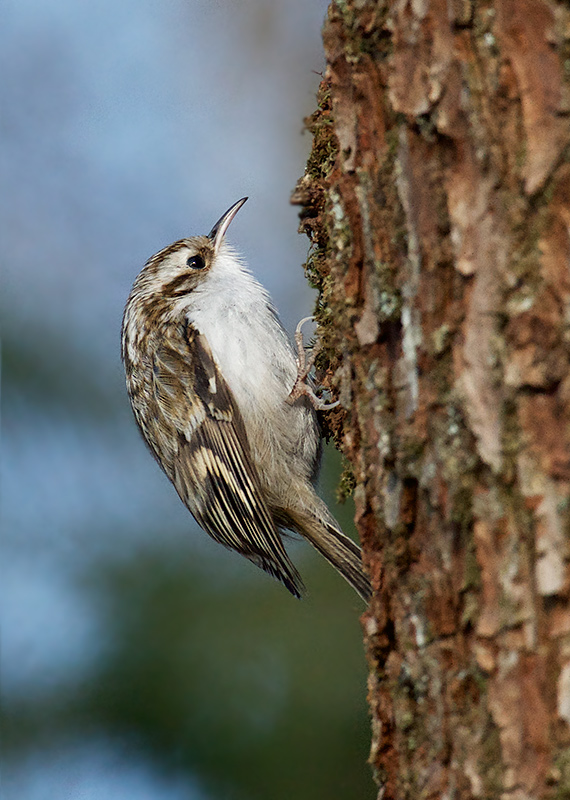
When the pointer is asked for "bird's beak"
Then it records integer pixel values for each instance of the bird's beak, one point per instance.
(219, 230)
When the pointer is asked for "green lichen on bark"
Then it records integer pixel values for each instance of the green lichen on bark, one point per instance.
(347, 482)
(311, 193)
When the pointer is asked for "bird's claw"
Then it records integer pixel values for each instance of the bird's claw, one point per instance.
(304, 366)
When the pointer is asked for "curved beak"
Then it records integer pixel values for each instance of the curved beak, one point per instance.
(219, 230)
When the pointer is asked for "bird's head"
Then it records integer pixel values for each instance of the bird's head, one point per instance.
(178, 269)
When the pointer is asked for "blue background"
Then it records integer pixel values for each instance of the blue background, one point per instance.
(139, 659)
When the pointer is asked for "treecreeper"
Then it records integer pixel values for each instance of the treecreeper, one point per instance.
(210, 374)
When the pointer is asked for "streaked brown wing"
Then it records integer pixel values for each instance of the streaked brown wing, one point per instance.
(212, 468)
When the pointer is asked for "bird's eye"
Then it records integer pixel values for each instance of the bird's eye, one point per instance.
(196, 262)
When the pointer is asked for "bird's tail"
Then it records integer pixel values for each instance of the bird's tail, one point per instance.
(324, 533)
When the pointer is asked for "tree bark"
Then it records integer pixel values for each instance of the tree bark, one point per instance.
(437, 200)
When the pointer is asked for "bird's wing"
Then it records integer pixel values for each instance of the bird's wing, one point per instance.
(211, 464)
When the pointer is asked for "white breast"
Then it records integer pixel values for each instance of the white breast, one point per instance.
(234, 312)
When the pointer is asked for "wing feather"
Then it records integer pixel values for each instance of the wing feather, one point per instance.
(212, 468)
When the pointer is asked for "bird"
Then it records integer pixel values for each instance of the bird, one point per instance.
(210, 372)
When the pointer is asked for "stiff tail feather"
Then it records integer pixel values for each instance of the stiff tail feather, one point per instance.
(338, 549)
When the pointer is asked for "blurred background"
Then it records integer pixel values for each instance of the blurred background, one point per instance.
(139, 658)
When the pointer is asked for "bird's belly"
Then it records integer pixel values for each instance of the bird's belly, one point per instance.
(260, 369)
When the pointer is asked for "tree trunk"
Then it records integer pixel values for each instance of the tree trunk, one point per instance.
(437, 199)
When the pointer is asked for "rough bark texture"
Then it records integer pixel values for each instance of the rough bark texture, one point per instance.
(437, 199)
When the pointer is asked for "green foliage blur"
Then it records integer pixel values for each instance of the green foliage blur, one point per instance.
(141, 660)
(202, 663)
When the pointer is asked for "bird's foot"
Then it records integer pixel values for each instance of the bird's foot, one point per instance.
(304, 366)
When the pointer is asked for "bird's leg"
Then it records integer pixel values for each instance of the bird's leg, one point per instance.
(304, 366)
